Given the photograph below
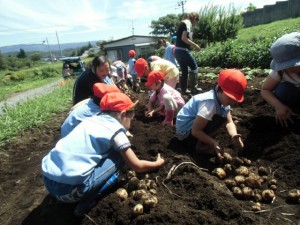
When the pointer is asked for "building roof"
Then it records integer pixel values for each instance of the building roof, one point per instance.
(132, 40)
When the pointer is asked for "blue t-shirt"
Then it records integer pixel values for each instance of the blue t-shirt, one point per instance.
(205, 105)
(132, 71)
(74, 157)
(88, 109)
(169, 54)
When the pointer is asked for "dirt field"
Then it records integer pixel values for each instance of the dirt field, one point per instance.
(191, 196)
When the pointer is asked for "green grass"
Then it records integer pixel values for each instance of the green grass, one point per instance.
(34, 113)
(8, 90)
(270, 30)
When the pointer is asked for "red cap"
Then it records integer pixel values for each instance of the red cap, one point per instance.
(116, 101)
(154, 76)
(131, 53)
(100, 89)
(140, 66)
(233, 83)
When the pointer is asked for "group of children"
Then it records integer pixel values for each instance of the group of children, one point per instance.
(94, 145)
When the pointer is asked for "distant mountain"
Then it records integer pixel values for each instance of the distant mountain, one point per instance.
(44, 47)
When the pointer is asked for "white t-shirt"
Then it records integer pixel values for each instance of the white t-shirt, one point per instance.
(292, 78)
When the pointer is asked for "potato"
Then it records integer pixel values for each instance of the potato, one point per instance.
(272, 182)
(142, 185)
(122, 194)
(294, 196)
(152, 185)
(253, 182)
(137, 195)
(227, 158)
(130, 174)
(153, 191)
(237, 192)
(256, 207)
(237, 161)
(230, 183)
(247, 162)
(138, 209)
(219, 172)
(257, 197)
(239, 179)
(145, 196)
(248, 193)
(273, 187)
(150, 202)
(263, 171)
(242, 170)
(133, 184)
(228, 168)
(268, 195)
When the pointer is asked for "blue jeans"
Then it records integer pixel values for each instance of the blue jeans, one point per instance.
(211, 129)
(186, 61)
(91, 186)
(288, 94)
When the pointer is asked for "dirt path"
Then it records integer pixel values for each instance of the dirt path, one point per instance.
(30, 94)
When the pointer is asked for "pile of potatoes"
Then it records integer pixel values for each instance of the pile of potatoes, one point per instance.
(246, 181)
(142, 191)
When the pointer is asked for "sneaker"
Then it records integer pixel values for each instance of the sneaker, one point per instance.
(186, 92)
(196, 91)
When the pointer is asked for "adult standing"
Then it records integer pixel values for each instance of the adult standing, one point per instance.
(99, 71)
(184, 57)
(281, 89)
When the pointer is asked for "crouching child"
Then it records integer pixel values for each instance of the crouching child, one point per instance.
(201, 117)
(164, 100)
(84, 164)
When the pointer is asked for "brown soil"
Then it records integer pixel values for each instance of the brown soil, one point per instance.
(191, 196)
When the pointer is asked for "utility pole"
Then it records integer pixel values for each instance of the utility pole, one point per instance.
(132, 27)
(61, 55)
(181, 3)
(50, 52)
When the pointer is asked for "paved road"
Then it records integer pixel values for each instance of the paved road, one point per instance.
(30, 94)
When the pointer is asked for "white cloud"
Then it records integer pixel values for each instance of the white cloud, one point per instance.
(28, 21)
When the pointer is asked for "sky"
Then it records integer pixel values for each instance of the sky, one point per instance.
(69, 21)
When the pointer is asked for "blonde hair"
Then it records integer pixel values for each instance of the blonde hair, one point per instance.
(193, 16)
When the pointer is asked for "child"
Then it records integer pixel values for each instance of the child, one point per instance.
(282, 87)
(122, 76)
(87, 159)
(166, 98)
(200, 118)
(86, 108)
(99, 71)
(169, 69)
(134, 78)
(169, 51)
(153, 58)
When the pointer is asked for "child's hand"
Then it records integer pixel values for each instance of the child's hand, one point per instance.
(149, 113)
(219, 152)
(237, 142)
(160, 159)
(283, 115)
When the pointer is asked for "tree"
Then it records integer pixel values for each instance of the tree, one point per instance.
(165, 26)
(22, 54)
(3, 64)
(251, 8)
(218, 24)
(36, 57)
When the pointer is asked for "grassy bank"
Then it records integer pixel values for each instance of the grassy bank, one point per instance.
(34, 113)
